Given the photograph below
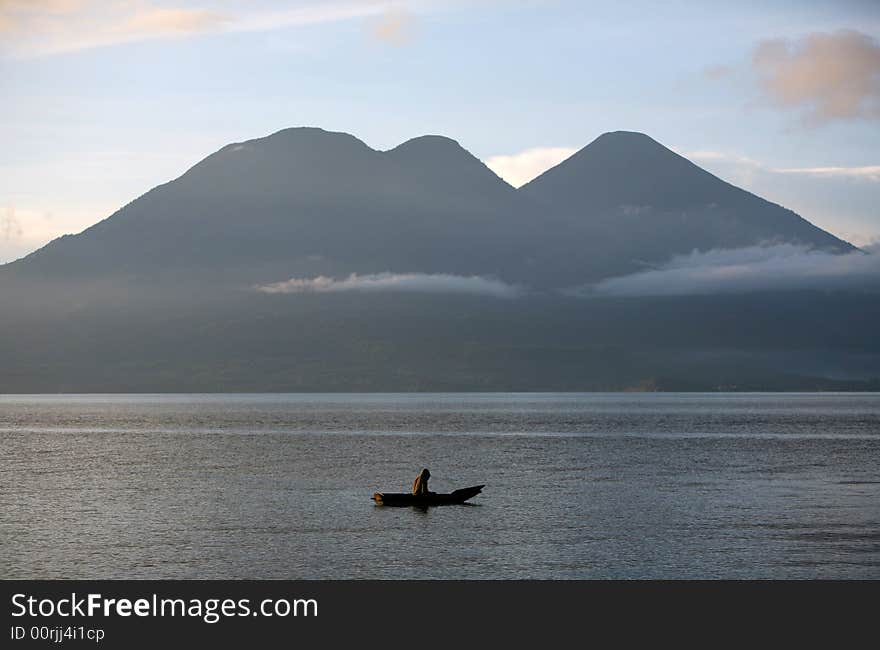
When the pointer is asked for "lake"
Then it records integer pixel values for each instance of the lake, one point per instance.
(640, 485)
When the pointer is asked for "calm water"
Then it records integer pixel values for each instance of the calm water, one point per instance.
(578, 486)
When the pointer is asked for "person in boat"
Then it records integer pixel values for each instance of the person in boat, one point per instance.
(420, 485)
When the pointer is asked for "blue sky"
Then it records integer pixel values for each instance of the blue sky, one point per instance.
(105, 99)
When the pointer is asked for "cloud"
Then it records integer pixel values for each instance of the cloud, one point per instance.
(519, 168)
(13, 13)
(55, 26)
(10, 226)
(869, 173)
(395, 27)
(829, 76)
(742, 270)
(407, 282)
(49, 6)
(718, 71)
(168, 22)
(840, 199)
(314, 14)
(46, 27)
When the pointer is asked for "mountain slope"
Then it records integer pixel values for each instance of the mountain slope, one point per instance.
(160, 296)
(305, 202)
(641, 202)
(301, 201)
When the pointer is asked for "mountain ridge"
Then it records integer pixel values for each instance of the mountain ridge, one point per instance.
(163, 295)
(626, 171)
(269, 205)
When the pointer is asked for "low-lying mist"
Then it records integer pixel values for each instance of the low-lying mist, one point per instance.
(779, 267)
(406, 282)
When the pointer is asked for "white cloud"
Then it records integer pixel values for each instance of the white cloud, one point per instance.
(519, 168)
(406, 282)
(312, 14)
(169, 22)
(46, 27)
(868, 173)
(829, 76)
(756, 268)
(17, 7)
(841, 199)
(717, 155)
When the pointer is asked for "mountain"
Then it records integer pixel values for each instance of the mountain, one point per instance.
(302, 201)
(634, 201)
(162, 295)
(305, 202)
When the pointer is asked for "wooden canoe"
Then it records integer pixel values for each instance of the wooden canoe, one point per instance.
(430, 499)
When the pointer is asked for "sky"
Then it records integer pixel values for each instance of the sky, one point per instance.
(104, 99)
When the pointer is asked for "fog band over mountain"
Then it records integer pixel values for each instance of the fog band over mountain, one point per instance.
(408, 282)
(753, 268)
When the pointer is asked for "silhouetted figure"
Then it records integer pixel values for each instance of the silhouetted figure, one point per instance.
(420, 485)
